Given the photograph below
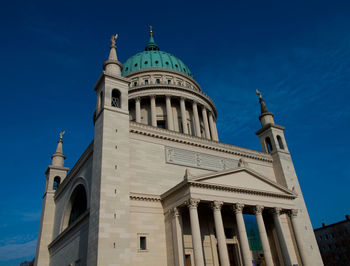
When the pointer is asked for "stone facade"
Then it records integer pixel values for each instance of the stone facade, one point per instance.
(156, 187)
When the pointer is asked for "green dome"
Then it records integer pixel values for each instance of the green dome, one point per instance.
(152, 57)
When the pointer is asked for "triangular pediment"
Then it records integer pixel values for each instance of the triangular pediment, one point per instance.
(242, 178)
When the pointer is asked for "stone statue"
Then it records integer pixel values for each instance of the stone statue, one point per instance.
(61, 134)
(258, 93)
(113, 39)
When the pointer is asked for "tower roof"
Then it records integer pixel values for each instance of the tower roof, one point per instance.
(152, 57)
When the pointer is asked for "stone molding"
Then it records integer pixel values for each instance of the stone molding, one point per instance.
(162, 71)
(165, 134)
(69, 229)
(241, 190)
(144, 197)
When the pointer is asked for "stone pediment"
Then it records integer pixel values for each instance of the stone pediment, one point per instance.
(241, 178)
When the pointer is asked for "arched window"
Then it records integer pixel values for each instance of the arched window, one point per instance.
(78, 202)
(268, 144)
(115, 98)
(56, 182)
(280, 142)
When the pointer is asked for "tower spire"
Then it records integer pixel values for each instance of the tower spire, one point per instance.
(58, 157)
(150, 31)
(112, 65)
(265, 117)
(151, 45)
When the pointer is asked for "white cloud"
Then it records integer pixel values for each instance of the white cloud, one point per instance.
(16, 251)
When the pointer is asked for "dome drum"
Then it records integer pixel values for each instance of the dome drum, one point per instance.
(178, 112)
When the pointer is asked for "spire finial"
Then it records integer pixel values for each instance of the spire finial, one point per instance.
(112, 65)
(258, 93)
(262, 102)
(265, 116)
(58, 157)
(150, 31)
(113, 39)
(61, 135)
(151, 45)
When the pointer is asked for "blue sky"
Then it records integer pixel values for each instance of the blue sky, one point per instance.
(296, 52)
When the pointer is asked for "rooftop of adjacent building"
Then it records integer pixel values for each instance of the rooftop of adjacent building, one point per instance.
(324, 225)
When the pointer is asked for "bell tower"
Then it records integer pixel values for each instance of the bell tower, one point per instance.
(273, 141)
(55, 174)
(109, 208)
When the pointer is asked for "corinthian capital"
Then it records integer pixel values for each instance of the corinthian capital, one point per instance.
(238, 207)
(277, 211)
(175, 212)
(294, 213)
(216, 205)
(258, 209)
(192, 203)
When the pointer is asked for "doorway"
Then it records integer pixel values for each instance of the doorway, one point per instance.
(187, 260)
(233, 254)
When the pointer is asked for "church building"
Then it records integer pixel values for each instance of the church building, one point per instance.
(157, 187)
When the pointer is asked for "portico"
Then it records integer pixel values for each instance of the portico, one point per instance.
(207, 217)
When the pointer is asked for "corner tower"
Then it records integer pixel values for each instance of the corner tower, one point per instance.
(55, 174)
(109, 209)
(273, 141)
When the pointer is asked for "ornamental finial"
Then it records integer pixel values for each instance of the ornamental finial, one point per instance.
(61, 134)
(258, 93)
(113, 39)
(150, 31)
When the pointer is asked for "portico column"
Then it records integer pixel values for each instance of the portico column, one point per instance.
(177, 237)
(169, 113)
(205, 121)
(183, 115)
(196, 233)
(263, 236)
(138, 110)
(216, 132)
(242, 235)
(212, 127)
(153, 111)
(220, 233)
(278, 226)
(196, 119)
(298, 237)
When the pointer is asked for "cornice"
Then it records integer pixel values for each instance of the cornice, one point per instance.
(240, 190)
(268, 126)
(174, 136)
(166, 71)
(69, 229)
(170, 87)
(144, 197)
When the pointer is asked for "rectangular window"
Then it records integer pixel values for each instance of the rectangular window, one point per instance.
(161, 124)
(135, 83)
(157, 81)
(169, 81)
(143, 243)
(146, 81)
